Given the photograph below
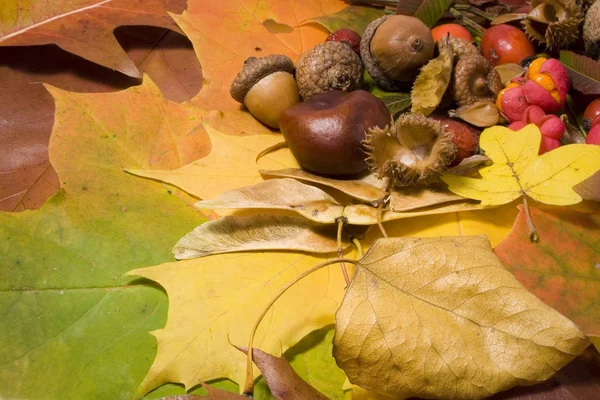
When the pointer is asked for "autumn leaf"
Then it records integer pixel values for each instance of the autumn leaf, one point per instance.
(562, 269)
(226, 32)
(215, 300)
(432, 81)
(284, 383)
(584, 72)
(428, 11)
(445, 319)
(351, 17)
(68, 311)
(230, 164)
(518, 171)
(28, 178)
(84, 27)
(256, 232)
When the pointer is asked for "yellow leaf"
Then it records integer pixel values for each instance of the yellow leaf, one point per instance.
(443, 319)
(230, 164)
(214, 302)
(518, 171)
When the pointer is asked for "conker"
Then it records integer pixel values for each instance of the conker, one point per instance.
(325, 133)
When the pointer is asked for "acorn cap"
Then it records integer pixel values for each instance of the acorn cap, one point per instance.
(475, 79)
(462, 48)
(255, 69)
(329, 66)
(414, 150)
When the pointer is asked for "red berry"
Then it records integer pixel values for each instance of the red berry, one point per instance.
(548, 144)
(455, 30)
(551, 126)
(502, 44)
(347, 36)
(464, 138)
(595, 121)
(594, 136)
(590, 113)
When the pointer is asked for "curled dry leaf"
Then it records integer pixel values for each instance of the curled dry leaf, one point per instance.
(470, 165)
(444, 319)
(509, 71)
(517, 170)
(590, 188)
(230, 164)
(283, 381)
(369, 188)
(257, 232)
(562, 268)
(482, 114)
(413, 198)
(281, 194)
(432, 81)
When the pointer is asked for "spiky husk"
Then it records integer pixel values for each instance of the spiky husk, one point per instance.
(558, 32)
(413, 150)
(591, 30)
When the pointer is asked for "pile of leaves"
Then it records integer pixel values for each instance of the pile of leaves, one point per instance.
(106, 149)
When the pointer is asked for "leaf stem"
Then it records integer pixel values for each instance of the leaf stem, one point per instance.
(249, 385)
(270, 149)
(359, 248)
(533, 235)
(341, 221)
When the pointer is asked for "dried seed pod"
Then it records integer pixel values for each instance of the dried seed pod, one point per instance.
(413, 150)
(329, 66)
(554, 22)
(481, 114)
(475, 80)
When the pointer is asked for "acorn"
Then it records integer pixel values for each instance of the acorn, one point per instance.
(475, 80)
(266, 86)
(414, 150)
(394, 48)
(328, 66)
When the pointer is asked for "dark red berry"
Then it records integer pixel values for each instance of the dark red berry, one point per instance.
(347, 36)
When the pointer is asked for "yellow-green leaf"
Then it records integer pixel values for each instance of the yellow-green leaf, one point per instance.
(517, 170)
(442, 318)
(432, 82)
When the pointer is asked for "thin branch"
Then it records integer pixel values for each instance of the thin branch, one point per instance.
(358, 246)
(340, 249)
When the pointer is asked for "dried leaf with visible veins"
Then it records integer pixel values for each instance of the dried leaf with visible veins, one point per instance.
(444, 319)
(369, 189)
(257, 232)
(562, 269)
(280, 194)
(84, 27)
(412, 198)
(518, 171)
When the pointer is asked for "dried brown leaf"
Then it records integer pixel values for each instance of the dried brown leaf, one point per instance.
(412, 198)
(257, 232)
(280, 194)
(369, 188)
(444, 319)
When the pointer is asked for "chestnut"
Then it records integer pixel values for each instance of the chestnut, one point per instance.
(326, 132)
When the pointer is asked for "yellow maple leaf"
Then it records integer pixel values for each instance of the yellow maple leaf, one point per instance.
(517, 170)
(214, 302)
(231, 164)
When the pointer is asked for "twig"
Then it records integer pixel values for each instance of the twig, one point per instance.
(533, 235)
(249, 385)
(341, 221)
(466, 21)
(473, 10)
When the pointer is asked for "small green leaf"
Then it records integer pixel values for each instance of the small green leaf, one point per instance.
(352, 17)
(428, 11)
(584, 72)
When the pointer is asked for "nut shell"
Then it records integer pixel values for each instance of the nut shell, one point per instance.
(412, 151)
(475, 80)
(255, 69)
(329, 66)
(370, 64)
